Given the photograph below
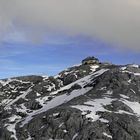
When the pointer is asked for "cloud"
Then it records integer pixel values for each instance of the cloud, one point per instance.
(113, 21)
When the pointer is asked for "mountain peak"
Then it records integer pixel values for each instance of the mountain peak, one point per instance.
(90, 60)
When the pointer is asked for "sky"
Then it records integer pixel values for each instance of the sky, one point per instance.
(45, 37)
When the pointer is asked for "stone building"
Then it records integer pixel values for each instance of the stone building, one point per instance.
(90, 60)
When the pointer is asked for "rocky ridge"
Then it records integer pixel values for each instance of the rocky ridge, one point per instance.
(90, 101)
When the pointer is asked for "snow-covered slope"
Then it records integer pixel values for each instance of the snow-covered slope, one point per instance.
(85, 102)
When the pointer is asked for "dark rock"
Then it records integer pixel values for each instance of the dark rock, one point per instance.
(33, 105)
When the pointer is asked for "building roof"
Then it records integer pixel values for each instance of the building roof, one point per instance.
(90, 58)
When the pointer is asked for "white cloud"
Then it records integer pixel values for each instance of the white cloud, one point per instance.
(114, 21)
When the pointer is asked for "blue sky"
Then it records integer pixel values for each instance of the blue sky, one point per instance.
(56, 54)
(47, 36)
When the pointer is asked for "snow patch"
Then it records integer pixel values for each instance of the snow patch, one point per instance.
(45, 77)
(105, 134)
(61, 125)
(90, 108)
(75, 136)
(133, 90)
(137, 74)
(37, 94)
(124, 112)
(109, 92)
(123, 68)
(94, 67)
(13, 120)
(50, 87)
(55, 114)
(65, 131)
(124, 96)
(102, 88)
(104, 120)
(4, 83)
(23, 95)
(134, 73)
(134, 66)
(135, 106)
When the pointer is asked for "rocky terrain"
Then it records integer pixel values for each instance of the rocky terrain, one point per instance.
(90, 101)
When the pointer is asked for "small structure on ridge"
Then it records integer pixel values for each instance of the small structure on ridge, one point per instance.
(90, 60)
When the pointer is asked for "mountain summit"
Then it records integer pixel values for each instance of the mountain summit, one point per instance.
(90, 60)
(90, 101)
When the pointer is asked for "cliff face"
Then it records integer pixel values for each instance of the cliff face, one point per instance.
(85, 102)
